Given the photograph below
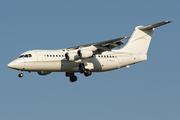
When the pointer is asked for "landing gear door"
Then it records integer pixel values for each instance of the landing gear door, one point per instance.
(39, 56)
(89, 66)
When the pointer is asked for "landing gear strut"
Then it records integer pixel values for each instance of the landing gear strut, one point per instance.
(71, 76)
(82, 69)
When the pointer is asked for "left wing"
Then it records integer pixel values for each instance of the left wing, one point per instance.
(101, 46)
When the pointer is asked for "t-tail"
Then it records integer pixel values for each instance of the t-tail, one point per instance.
(141, 38)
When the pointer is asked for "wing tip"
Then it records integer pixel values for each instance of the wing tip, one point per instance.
(154, 25)
(168, 21)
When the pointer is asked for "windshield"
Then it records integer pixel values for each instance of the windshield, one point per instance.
(26, 56)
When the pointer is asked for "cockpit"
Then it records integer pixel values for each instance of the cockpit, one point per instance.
(25, 56)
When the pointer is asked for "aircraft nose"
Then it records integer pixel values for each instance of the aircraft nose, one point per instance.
(11, 65)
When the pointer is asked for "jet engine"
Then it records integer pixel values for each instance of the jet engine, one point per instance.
(85, 53)
(71, 56)
(43, 73)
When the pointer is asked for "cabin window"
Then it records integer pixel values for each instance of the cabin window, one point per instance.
(62, 55)
(47, 55)
(59, 55)
(50, 55)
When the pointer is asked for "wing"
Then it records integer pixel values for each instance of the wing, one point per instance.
(101, 46)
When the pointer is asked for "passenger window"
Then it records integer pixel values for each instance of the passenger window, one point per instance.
(53, 55)
(104, 56)
(56, 55)
(47, 55)
(50, 55)
(59, 55)
(62, 55)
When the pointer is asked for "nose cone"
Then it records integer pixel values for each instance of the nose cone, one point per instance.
(11, 65)
(17, 64)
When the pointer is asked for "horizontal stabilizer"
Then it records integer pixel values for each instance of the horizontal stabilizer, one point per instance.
(154, 25)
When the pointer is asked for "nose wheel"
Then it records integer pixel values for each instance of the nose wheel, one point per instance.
(20, 75)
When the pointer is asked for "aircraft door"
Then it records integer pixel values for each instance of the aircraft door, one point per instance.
(39, 56)
(120, 59)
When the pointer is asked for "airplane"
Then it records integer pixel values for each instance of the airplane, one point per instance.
(85, 59)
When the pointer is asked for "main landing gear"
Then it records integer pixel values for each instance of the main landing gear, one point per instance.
(82, 69)
(71, 76)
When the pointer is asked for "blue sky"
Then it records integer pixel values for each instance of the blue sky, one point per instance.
(145, 91)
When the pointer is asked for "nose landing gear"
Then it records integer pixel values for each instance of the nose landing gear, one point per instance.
(20, 75)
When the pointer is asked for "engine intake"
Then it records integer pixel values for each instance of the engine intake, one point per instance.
(85, 53)
(71, 56)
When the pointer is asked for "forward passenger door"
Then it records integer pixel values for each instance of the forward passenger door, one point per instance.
(39, 56)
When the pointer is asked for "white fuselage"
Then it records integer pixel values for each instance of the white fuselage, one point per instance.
(55, 61)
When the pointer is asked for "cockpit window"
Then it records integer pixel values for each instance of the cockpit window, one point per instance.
(26, 56)
(21, 56)
(29, 55)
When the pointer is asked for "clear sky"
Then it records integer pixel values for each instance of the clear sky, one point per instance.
(145, 91)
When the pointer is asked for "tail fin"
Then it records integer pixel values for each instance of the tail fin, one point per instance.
(141, 38)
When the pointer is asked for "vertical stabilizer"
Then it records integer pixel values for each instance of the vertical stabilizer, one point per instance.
(141, 38)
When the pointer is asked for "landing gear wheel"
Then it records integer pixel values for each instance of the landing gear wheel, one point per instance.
(73, 78)
(20, 75)
(87, 73)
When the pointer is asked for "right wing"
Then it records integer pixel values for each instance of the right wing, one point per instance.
(101, 46)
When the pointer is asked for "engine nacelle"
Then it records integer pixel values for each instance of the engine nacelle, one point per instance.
(72, 56)
(43, 73)
(85, 53)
